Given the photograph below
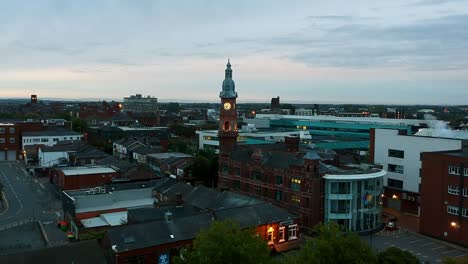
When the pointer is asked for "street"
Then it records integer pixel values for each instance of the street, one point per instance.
(28, 198)
(425, 248)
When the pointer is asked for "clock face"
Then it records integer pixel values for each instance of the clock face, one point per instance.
(227, 106)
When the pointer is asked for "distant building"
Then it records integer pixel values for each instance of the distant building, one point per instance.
(444, 195)
(33, 99)
(139, 104)
(304, 112)
(48, 137)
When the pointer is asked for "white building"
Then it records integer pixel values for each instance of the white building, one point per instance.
(304, 112)
(352, 198)
(48, 137)
(400, 155)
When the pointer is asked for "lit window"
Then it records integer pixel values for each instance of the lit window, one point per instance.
(295, 199)
(270, 235)
(292, 232)
(453, 190)
(281, 234)
(296, 185)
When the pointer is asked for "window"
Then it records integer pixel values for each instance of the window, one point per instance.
(44, 140)
(36, 140)
(452, 210)
(12, 130)
(2, 140)
(279, 195)
(225, 168)
(296, 185)
(465, 192)
(257, 176)
(396, 153)
(395, 183)
(453, 190)
(55, 139)
(465, 212)
(292, 232)
(281, 234)
(257, 190)
(454, 170)
(279, 180)
(295, 199)
(236, 171)
(270, 236)
(395, 168)
(2, 130)
(12, 140)
(266, 192)
(466, 172)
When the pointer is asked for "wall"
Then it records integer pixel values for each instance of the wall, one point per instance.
(81, 181)
(47, 140)
(50, 159)
(435, 220)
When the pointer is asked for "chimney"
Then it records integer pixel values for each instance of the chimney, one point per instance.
(179, 200)
(292, 143)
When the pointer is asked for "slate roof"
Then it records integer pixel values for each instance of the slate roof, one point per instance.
(150, 234)
(83, 252)
(61, 147)
(141, 215)
(270, 158)
(254, 215)
(147, 150)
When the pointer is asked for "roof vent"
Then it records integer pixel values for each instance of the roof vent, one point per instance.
(168, 216)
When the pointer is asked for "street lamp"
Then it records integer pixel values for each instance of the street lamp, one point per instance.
(454, 224)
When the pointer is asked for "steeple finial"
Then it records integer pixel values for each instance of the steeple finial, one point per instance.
(229, 62)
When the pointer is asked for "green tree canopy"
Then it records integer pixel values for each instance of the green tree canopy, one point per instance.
(224, 243)
(333, 245)
(394, 255)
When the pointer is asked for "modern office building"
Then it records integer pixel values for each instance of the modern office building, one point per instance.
(139, 104)
(353, 198)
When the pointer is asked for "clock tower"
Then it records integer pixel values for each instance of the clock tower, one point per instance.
(228, 113)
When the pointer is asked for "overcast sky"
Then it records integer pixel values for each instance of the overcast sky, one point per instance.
(409, 51)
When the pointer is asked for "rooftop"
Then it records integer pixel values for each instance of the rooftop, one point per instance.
(57, 132)
(82, 170)
(111, 200)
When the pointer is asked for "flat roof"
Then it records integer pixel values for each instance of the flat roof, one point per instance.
(167, 155)
(50, 133)
(71, 171)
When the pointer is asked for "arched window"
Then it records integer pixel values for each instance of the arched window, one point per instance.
(226, 126)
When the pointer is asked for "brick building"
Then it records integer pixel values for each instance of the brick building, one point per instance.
(79, 177)
(11, 138)
(444, 195)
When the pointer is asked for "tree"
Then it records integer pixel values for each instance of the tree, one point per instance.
(451, 260)
(333, 245)
(393, 255)
(225, 242)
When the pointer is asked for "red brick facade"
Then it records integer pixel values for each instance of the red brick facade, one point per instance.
(75, 182)
(444, 196)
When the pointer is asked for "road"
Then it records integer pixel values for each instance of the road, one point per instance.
(28, 197)
(425, 248)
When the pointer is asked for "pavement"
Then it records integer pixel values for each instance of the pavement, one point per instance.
(405, 220)
(29, 199)
(425, 248)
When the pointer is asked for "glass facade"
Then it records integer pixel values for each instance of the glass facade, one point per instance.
(354, 202)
